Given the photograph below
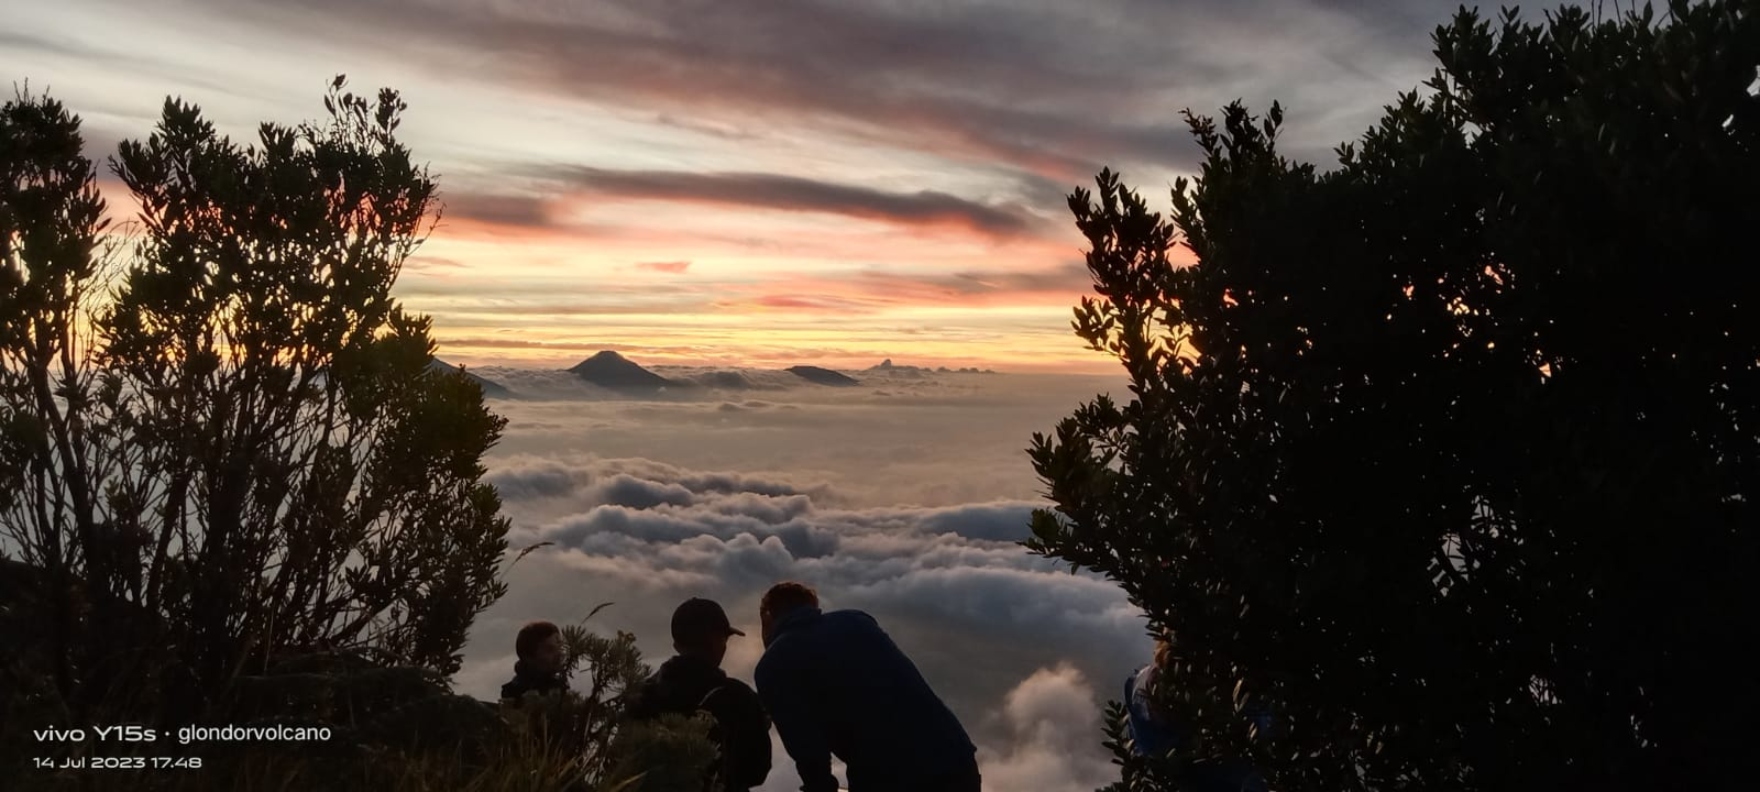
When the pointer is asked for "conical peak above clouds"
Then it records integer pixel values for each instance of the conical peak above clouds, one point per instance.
(491, 389)
(608, 369)
(822, 376)
(606, 357)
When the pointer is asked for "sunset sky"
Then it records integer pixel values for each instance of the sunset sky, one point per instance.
(761, 184)
(754, 184)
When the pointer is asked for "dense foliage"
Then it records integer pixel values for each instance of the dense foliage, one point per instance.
(232, 444)
(1448, 456)
(236, 490)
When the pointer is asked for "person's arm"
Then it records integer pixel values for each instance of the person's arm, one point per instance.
(639, 705)
(748, 738)
(791, 709)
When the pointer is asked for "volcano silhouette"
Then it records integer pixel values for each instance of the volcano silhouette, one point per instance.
(610, 370)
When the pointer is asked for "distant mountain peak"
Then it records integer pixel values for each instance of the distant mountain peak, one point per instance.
(890, 369)
(491, 389)
(822, 376)
(608, 369)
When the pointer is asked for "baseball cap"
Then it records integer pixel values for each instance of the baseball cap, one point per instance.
(700, 618)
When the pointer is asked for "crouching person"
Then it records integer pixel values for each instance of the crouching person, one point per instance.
(837, 685)
(692, 681)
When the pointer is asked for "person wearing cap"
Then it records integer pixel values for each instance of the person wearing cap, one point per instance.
(836, 684)
(693, 680)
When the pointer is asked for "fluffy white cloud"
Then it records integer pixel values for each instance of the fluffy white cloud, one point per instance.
(833, 494)
(1052, 718)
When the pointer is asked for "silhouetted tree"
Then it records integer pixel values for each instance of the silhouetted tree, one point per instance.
(239, 449)
(1449, 456)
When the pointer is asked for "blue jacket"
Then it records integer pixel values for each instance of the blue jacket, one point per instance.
(834, 683)
(1152, 735)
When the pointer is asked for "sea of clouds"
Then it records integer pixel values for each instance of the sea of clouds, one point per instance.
(905, 497)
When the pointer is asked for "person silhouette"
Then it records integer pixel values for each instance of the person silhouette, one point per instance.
(538, 647)
(836, 684)
(1153, 731)
(693, 681)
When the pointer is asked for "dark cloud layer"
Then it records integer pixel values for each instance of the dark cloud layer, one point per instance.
(793, 194)
(527, 211)
(1070, 276)
(1050, 88)
(739, 190)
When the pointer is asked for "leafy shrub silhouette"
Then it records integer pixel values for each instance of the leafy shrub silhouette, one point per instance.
(241, 492)
(233, 445)
(670, 754)
(1448, 456)
(401, 728)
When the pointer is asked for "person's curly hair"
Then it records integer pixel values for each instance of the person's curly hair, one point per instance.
(1163, 666)
(786, 596)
